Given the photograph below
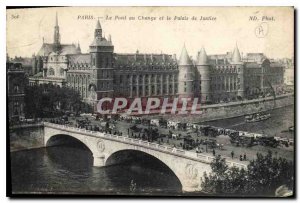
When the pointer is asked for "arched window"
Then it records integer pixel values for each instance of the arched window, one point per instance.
(51, 71)
(61, 71)
(16, 88)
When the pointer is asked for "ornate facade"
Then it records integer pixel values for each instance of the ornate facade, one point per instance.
(103, 73)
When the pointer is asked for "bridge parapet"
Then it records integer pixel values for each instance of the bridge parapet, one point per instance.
(149, 145)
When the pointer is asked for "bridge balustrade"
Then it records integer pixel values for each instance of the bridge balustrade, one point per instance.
(188, 154)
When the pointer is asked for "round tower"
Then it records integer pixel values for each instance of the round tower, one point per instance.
(204, 80)
(186, 75)
(237, 62)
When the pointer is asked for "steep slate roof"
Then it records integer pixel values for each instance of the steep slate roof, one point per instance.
(79, 58)
(46, 49)
(184, 57)
(129, 59)
(98, 26)
(252, 65)
(276, 64)
(202, 57)
(236, 56)
(101, 42)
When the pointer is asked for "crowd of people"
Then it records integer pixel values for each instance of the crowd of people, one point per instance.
(147, 132)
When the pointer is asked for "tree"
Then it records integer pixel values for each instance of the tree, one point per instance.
(49, 100)
(262, 177)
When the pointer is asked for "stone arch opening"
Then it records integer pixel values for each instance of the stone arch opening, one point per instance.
(150, 172)
(66, 150)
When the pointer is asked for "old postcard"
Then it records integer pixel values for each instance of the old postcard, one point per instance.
(152, 101)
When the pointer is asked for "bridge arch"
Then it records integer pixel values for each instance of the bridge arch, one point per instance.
(54, 137)
(146, 160)
(188, 169)
(62, 147)
(65, 139)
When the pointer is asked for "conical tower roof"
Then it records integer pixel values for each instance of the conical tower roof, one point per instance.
(236, 56)
(184, 57)
(202, 57)
(98, 26)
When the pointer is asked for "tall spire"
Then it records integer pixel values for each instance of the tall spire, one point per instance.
(184, 57)
(78, 48)
(56, 34)
(202, 57)
(56, 21)
(236, 56)
(98, 30)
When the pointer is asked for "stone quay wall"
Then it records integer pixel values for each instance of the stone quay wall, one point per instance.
(235, 109)
(26, 137)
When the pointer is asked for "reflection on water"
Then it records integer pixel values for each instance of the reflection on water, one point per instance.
(65, 169)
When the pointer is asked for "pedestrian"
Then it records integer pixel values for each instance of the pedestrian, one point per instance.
(232, 154)
(214, 152)
(245, 157)
(241, 158)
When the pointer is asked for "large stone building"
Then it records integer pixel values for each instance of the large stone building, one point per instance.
(103, 73)
(16, 81)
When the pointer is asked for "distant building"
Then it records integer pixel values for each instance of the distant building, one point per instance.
(289, 71)
(16, 82)
(50, 64)
(103, 73)
(26, 64)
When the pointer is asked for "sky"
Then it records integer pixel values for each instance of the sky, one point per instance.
(26, 29)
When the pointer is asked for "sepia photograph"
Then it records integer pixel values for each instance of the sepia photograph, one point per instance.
(151, 101)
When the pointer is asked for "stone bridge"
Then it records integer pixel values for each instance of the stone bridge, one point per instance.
(186, 165)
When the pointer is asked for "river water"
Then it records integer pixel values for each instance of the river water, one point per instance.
(69, 170)
(281, 119)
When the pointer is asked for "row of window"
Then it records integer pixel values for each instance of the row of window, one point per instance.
(227, 87)
(103, 73)
(148, 67)
(149, 90)
(79, 67)
(78, 79)
(83, 91)
(147, 78)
